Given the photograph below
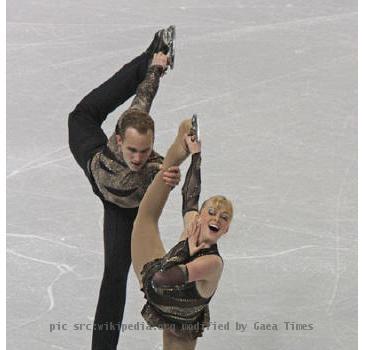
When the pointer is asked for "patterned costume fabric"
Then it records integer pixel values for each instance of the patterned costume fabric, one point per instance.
(115, 180)
(192, 185)
(180, 307)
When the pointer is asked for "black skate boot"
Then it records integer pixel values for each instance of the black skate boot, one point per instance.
(164, 41)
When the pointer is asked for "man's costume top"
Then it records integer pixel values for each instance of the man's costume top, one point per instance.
(116, 182)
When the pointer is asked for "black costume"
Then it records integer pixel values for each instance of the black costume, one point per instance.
(106, 171)
(172, 301)
(179, 307)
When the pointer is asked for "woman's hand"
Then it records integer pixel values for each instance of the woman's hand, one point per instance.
(194, 233)
(193, 145)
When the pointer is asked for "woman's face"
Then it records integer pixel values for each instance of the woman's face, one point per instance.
(215, 218)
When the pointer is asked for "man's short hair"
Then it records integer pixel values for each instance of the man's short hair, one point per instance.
(136, 119)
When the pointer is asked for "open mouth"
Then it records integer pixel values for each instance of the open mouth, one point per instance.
(213, 227)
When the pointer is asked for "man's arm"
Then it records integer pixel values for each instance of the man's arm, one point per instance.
(147, 89)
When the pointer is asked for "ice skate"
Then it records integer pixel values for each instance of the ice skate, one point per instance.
(195, 127)
(164, 41)
(170, 35)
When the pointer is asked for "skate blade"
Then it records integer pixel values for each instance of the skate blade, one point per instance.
(170, 35)
(195, 127)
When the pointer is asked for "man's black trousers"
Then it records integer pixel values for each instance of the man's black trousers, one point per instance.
(118, 224)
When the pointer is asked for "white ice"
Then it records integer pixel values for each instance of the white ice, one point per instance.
(274, 84)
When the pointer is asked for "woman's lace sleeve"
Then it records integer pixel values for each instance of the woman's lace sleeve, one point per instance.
(192, 185)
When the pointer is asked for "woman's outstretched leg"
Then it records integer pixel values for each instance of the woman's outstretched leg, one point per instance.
(172, 342)
(146, 242)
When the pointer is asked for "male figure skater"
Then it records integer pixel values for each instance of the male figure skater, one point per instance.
(121, 168)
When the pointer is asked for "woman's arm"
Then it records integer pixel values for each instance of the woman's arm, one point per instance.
(205, 268)
(173, 276)
(192, 185)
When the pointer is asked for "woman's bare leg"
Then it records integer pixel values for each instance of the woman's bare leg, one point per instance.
(146, 242)
(172, 342)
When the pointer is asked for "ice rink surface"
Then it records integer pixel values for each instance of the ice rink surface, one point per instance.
(275, 86)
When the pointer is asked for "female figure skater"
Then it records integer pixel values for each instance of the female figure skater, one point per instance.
(179, 285)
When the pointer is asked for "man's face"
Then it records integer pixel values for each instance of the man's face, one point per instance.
(136, 147)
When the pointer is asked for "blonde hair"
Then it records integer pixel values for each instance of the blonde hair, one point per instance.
(219, 201)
